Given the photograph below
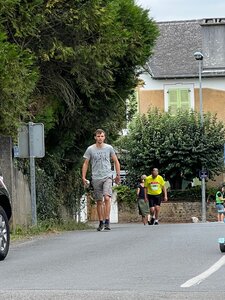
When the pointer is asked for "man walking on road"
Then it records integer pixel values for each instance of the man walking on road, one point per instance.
(100, 155)
(154, 185)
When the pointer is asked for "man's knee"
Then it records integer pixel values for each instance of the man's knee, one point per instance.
(99, 202)
(107, 198)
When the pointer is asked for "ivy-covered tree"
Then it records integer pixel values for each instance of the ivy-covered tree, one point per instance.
(177, 145)
(85, 54)
(18, 78)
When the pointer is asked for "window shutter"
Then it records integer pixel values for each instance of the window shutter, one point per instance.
(185, 101)
(173, 100)
(178, 99)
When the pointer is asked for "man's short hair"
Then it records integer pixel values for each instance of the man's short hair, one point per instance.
(99, 131)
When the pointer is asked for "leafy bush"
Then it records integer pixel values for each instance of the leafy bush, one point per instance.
(48, 200)
(177, 145)
(126, 195)
(211, 194)
(189, 195)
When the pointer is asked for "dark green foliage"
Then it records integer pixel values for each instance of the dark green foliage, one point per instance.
(177, 145)
(48, 200)
(189, 195)
(126, 195)
(70, 64)
(18, 78)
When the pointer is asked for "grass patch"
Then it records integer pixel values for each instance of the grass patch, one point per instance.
(47, 227)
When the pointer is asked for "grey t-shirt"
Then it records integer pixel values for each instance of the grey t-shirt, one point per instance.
(100, 160)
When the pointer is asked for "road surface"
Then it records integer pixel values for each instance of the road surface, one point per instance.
(132, 261)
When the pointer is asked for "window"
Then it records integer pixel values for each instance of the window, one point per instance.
(213, 44)
(179, 97)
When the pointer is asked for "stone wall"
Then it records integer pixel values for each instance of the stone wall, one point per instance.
(171, 212)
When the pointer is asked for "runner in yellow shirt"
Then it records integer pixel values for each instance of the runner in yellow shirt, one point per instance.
(154, 186)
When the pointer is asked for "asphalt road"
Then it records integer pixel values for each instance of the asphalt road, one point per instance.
(131, 261)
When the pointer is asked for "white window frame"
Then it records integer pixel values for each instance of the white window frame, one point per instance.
(189, 86)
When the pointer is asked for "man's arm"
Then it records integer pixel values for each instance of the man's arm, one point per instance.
(117, 166)
(165, 193)
(84, 170)
(146, 195)
(138, 191)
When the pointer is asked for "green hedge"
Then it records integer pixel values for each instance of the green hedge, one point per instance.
(128, 196)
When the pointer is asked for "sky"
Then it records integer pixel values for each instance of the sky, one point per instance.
(175, 10)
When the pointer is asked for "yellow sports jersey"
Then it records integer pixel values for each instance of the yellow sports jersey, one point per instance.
(154, 185)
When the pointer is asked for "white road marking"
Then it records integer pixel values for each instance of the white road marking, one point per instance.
(198, 279)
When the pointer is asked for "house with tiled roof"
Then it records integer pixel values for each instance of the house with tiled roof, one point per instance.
(171, 77)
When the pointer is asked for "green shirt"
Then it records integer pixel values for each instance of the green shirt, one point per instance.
(218, 195)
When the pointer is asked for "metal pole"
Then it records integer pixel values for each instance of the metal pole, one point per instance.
(203, 201)
(200, 92)
(32, 175)
(202, 124)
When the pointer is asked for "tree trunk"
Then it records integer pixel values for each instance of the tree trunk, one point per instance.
(176, 182)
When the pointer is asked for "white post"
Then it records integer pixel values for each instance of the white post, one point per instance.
(32, 174)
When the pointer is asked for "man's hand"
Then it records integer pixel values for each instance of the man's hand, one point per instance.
(117, 179)
(165, 199)
(84, 181)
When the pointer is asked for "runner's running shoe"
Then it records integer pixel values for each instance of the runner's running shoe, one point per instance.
(152, 221)
(100, 227)
(107, 227)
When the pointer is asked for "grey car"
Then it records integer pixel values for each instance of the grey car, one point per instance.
(5, 216)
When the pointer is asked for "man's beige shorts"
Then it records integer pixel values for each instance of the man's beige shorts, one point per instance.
(102, 187)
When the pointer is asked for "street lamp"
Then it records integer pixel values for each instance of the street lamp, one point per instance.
(199, 57)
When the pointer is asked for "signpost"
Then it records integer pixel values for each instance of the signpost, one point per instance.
(203, 174)
(31, 145)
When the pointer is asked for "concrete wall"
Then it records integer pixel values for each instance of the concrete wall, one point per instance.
(6, 163)
(17, 185)
(22, 214)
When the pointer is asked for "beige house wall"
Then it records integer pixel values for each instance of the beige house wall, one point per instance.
(213, 101)
(148, 99)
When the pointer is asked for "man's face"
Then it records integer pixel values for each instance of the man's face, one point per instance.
(100, 138)
(155, 172)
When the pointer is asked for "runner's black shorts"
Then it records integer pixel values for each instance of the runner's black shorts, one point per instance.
(154, 200)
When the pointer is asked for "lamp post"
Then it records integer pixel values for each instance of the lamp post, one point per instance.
(199, 57)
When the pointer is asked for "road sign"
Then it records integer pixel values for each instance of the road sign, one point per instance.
(34, 132)
(31, 145)
(203, 174)
(15, 151)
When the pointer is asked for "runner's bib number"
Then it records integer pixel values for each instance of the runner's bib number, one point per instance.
(154, 186)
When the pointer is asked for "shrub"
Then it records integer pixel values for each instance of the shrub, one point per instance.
(126, 195)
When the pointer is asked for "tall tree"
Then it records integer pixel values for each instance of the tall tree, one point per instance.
(177, 145)
(86, 55)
